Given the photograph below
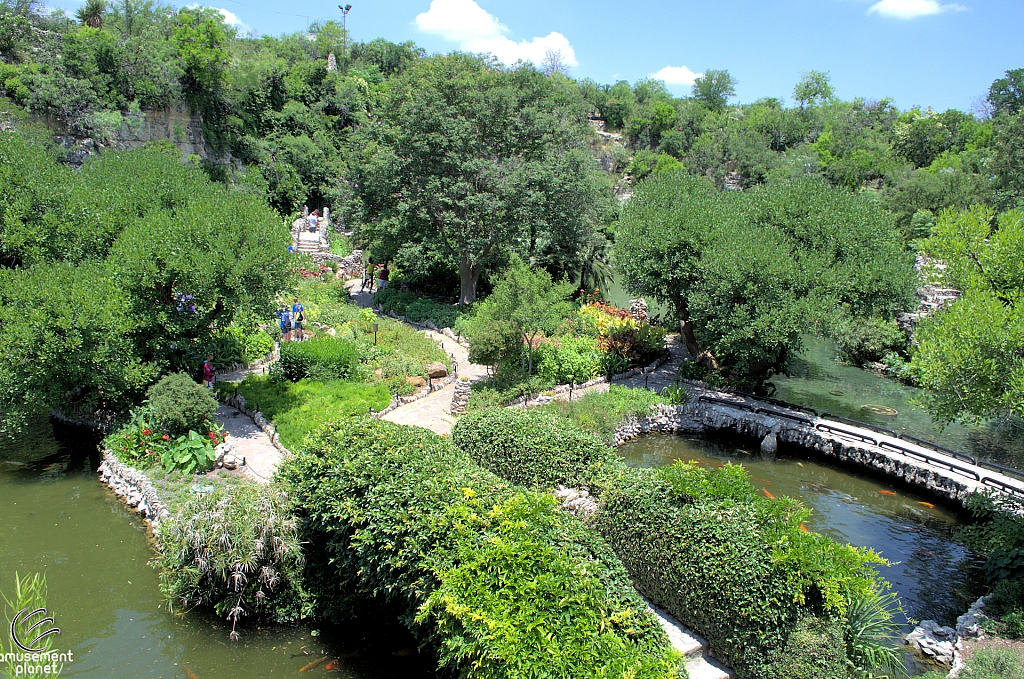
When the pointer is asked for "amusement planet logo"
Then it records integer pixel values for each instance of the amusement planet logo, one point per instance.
(29, 629)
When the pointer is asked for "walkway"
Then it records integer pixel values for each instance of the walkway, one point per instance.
(261, 457)
(431, 412)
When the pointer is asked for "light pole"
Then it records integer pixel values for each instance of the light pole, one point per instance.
(344, 29)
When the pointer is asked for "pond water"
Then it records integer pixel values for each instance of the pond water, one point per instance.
(59, 520)
(819, 381)
(936, 578)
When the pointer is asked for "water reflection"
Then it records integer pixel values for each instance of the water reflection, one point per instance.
(935, 577)
(819, 381)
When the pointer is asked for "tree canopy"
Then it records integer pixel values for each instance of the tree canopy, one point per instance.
(747, 273)
(473, 161)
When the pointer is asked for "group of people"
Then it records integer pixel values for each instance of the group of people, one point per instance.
(291, 320)
(379, 273)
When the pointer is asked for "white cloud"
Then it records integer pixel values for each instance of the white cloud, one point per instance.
(911, 9)
(477, 30)
(676, 75)
(230, 18)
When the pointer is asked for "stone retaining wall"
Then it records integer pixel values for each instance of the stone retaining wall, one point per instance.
(134, 487)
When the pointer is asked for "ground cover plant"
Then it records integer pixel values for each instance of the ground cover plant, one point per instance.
(492, 577)
(601, 413)
(298, 408)
(735, 567)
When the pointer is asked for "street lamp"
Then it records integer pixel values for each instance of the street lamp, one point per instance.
(344, 28)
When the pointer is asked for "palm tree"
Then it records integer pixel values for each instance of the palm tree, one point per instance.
(91, 13)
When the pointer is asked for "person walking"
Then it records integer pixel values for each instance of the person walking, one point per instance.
(313, 219)
(286, 322)
(298, 318)
(382, 277)
(367, 273)
(209, 372)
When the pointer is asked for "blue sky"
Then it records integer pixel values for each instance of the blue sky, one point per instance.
(919, 52)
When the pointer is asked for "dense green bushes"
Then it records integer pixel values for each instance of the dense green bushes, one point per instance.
(494, 578)
(532, 449)
(179, 405)
(569, 359)
(321, 358)
(236, 549)
(415, 308)
(602, 413)
(737, 568)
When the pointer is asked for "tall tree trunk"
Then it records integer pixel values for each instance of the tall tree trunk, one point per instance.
(469, 275)
(697, 354)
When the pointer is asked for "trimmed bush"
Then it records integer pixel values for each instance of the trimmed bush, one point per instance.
(494, 578)
(569, 358)
(236, 549)
(177, 404)
(532, 449)
(321, 358)
(813, 651)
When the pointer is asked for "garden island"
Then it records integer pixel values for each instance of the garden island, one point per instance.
(328, 356)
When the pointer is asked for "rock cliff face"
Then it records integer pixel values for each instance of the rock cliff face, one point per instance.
(177, 124)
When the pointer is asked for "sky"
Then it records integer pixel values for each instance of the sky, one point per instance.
(917, 52)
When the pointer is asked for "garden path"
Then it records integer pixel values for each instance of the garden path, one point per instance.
(251, 443)
(431, 412)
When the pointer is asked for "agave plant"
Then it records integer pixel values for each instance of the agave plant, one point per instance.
(873, 643)
(92, 12)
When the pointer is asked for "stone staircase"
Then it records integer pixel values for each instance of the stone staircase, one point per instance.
(699, 664)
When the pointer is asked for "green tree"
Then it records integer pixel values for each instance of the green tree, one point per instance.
(471, 160)
(1007, 93)
(714, 88)
(91, 13)
(527, 302)
(1008, 159)
(201, 39)
(814, 88)
(748, 273)
(969, 354)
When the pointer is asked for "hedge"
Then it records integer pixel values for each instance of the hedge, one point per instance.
(179, 405)
(533, 449)
(494, 578)
(737, 568)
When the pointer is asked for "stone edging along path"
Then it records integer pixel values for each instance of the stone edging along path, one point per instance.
(133, 486)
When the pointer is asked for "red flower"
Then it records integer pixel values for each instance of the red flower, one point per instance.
(145, 432)
(165, 437)
(212, 435)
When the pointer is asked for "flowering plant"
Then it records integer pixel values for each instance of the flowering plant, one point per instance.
(140, 445)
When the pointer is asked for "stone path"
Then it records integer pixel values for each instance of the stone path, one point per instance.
(261, 457)
(430, 412)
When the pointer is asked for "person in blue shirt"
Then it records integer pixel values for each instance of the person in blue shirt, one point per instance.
(286, 323)
(298, 317)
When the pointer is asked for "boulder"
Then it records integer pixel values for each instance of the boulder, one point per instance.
(934, 640)
(969, 624)
(416, 381)
(437, 370)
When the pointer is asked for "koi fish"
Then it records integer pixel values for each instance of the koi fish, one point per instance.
(804, 528)
(886, 492)
(189, 674)
(405, 652)
(313, 665)
(929, 505)
(767, 494)
(333, 665)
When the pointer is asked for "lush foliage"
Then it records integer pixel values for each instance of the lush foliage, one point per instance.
(748, 272)
(991, 662)
(968, 354)
(29, 594)
(495, 579)
(321, 358)
(298, 408)
(236, 549)
(867, 340)
(565, 359)
(142, 445)
(531, 448)
(177, 404)
(415, 308)
(738, 568)
(602, 413)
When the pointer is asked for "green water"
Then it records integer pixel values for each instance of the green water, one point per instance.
(59, 520)
(819, 381)
(936, 578)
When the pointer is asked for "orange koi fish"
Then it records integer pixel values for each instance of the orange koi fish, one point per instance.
(767, 494)
(804, 528)
(313, 665)
(189, 674)
(886, 492)
(929, 505)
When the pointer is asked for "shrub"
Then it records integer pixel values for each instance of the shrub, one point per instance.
(498, 581)
(236, 549)
(321, 358)
(532, 448)
(568, 359)
(257, 345)
(866, 340)
(813, 651)
(994, 663)
(177, 405)
(601, 413)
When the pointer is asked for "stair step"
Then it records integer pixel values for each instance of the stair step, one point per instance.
(706, 668)
(683, 640)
